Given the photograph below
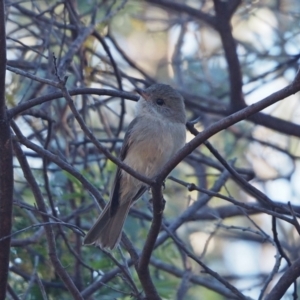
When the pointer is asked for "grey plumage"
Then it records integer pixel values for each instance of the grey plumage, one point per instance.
(151, 140)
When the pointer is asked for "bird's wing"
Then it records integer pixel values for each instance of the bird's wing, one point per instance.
(115, 201)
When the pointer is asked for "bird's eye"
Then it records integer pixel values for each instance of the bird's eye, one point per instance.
(160, 102)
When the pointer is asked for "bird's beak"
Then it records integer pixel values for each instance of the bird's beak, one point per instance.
(142, 93)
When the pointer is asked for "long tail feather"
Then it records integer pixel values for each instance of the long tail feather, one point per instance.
(107, 230)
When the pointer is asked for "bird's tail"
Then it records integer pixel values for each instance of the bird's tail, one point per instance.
(107, 230)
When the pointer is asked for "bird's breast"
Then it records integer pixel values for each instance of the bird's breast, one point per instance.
(153, 145)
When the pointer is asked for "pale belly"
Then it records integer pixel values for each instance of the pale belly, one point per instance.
(149, 151)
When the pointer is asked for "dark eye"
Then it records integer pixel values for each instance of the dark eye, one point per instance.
(160, 102)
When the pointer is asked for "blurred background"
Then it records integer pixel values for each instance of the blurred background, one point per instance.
(222, 56)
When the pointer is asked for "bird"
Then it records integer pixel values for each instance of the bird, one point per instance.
(155, 134)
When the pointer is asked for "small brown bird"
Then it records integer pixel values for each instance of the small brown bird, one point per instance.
(152, 138)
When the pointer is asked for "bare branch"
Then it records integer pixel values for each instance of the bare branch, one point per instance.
(48, 229)
(6, 167)
(289, 276)
(143, 264)
(182, 8)
(226, 122)
(223, 14)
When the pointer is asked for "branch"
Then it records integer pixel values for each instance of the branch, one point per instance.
(102, 149)
(182, 8)
(54, 284)
(275, 123)
(207, 270)
(250, 189)
(213, 285)
(223, 15)
(196, 103)
(289, 276)
(192, 209)
(6, 166)
(48, 229)
(143, 264)
(232, 6)
(41, 19)
(77, 91)
(212, 214)
(221, 23)
(32, 76)
(60, 162)
(12, 293)
(225, 123)
(84, 33)
(128, 59)
(117, 74)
